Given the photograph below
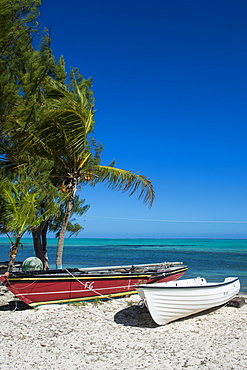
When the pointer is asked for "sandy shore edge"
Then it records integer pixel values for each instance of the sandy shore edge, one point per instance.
(117, 334)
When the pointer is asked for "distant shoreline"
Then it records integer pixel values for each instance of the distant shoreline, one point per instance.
(132, 238)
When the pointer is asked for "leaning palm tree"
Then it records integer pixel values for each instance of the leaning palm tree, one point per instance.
(64, 136)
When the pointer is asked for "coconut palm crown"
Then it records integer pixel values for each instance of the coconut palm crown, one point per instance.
(64, 135)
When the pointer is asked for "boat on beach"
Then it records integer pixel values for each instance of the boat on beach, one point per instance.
(37, 288)
(169, 301)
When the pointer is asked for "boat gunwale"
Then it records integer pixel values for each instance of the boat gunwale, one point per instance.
(89, 277)
(207, 285)
(77, 274)
(23, 279)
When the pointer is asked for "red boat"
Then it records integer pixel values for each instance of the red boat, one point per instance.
(37, 288)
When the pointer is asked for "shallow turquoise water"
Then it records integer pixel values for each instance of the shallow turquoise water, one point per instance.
(213, 259)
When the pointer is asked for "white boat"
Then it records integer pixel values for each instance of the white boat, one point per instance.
(173, 300)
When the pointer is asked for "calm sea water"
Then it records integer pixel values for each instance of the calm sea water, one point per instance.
(212, 259)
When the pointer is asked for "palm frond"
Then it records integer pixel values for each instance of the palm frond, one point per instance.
(69, 120)
(125, 181)
(21, 203)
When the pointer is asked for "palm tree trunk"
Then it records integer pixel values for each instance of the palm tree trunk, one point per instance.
(62, 232)
(44, 243)
(13, 252)
(40, 243)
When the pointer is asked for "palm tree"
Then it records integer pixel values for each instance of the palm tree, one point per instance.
(64, 136)
(20, 203)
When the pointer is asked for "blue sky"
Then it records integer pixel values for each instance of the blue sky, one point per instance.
(170, 82)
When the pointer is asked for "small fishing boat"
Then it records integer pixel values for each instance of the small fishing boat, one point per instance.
(76, 285)
(169, 301)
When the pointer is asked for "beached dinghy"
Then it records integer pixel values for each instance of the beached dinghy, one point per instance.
(173, 300)
(75, 285)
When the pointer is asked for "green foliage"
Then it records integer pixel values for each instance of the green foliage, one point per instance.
(97, 302)
(125, 181)
(26, 75)
(22, 201)
(23, 72)
(79, 304)
(18, 26)
(45, 121)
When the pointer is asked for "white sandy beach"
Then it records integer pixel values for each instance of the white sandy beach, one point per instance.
(118, 334)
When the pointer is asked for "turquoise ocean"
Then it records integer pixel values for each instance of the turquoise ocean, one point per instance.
(213, 259)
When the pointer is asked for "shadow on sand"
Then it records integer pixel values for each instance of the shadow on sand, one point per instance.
(137, 316)
(15, 305)
(8, 302)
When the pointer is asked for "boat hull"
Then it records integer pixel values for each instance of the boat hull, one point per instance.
(68, 286)
(167, 302)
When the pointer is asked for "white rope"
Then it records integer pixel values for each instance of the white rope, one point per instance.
(91, 312)
(84, 285)
(26, 286)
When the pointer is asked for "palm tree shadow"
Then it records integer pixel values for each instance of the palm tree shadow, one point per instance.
(135, 316)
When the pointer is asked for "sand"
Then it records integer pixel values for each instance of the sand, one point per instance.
(118, 334)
